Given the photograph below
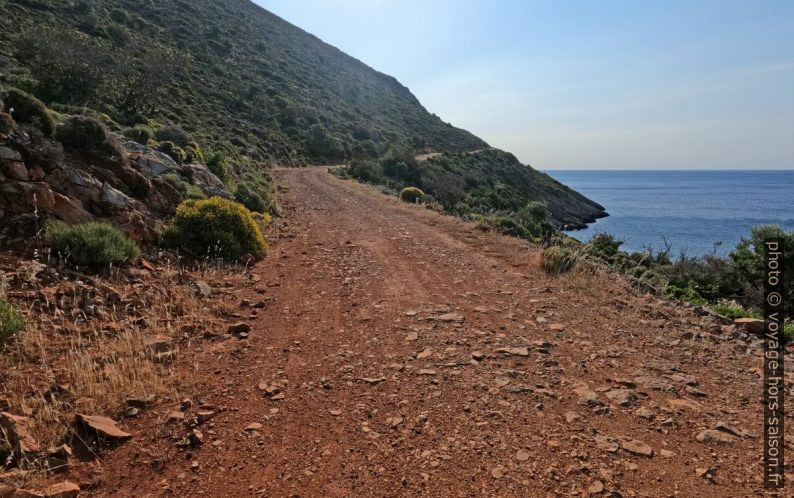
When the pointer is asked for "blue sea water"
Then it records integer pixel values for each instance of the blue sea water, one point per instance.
(691, 210)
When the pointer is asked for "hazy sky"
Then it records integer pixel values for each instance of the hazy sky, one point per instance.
(586, 84)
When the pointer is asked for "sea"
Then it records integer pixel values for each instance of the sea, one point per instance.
(694, 212)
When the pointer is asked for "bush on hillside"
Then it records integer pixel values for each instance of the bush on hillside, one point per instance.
(557, 260)
(215, 227)
(92, 244)
(509, 226)
(176, 152)
(139, 133)
(90, 138)
(11, 321)
(399, 163)
(604, 245)
(73, 110)
(27, 109)
(193, 153)
(365, 171)
(732, 309)
(411, 194)
(184, 187)
(447, 188)
(255, 187)
(534, 216)
(173, 134)
(323, 147)
(746, 267)
(263, 220)
(250, 199)
(217, 164)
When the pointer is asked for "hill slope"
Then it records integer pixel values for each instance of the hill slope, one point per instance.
(231, 72)
(247, 83)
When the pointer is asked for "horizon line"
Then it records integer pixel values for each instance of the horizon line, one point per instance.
(668, 169)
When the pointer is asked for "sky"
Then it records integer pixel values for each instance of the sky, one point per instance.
(587, 84)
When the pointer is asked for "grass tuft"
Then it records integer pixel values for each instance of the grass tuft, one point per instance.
(11, 320)
(92, 244)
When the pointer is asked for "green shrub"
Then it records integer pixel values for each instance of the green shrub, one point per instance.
(217, 164)
(788, 331)
(509, 226)
(411, 194)
(732, 309)
(27, 109)
(534, 216)
(557, 260)
(687, 294)
(72, 110)
(89, 137)
(194, 152)
(250, 199)
(7, 123)
(139, 133)
(176, 152)
(745, 273)
(187, 189)
(604, 245)
(92, 244)
(365, 171)
(259, 184)
(173, 134)
(11, 320)
(215, 227)
(194, 192)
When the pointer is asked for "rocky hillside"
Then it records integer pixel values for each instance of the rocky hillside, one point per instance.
(494, 180)
(234, 75)
(137, 188)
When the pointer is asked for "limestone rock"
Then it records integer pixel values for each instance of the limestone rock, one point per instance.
(637, 447)
(622, 397)
(103, 427)
(714, 436)
(17, 431)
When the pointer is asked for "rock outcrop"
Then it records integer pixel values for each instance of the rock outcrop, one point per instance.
(133, 194)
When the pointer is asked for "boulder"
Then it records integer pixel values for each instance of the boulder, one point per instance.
(150, 162)
(208, 182)
(36, 173)
(114, 198)
(15, 170)
(68, 210)
(9, 154)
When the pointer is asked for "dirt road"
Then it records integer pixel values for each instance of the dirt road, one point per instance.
(405, 353)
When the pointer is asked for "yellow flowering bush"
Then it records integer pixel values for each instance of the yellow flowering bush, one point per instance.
(215, 227)
(411, 194)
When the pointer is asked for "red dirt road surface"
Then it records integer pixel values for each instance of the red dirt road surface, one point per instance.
(401, 352)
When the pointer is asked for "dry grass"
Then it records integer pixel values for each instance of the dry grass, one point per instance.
(74, 358)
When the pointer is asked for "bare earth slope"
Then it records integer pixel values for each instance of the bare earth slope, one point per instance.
(405, 353)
